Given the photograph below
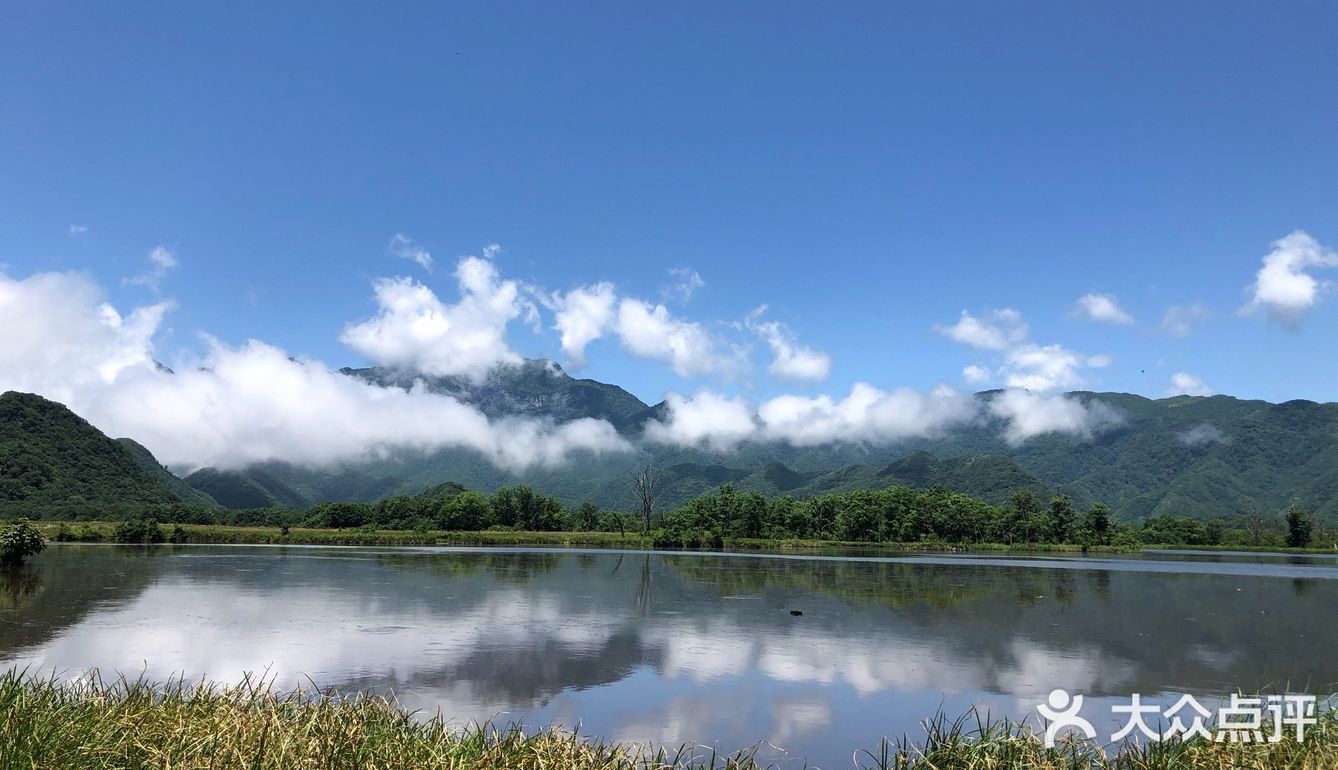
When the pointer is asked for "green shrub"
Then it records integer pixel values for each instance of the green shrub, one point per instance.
(138, 531)
(18, 541)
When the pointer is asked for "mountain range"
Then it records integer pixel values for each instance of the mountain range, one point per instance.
(1184, 455)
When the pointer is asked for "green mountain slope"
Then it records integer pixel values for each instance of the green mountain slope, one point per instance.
(51, 456)
(1185, 455)
(254, 488)
(179, 488)
(1192, 456)
(989, 477)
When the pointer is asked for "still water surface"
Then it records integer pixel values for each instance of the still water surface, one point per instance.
(685, 648)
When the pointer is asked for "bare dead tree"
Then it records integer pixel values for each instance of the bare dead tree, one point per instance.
(645, 487)
(1255, 523)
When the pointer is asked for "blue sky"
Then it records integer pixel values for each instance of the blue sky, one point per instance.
(866, 170)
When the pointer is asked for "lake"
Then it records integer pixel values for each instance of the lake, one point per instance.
(685, 648)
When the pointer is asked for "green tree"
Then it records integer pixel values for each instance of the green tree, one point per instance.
(699, 513)
(396, 512)
(859, 517)
(789, 517)
(1062, 516)
(467, 511)
(1173, 530)
(18, 541)
(1213, 532)
(342, 515)
(752, 519)
(903, 515)
(1096, 524)
(520, 507)
(1300, 525)
(822, 516)
(586, 518)
(1025, 515)
(968, 519)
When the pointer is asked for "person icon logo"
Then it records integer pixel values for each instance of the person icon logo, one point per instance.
(1061, 711)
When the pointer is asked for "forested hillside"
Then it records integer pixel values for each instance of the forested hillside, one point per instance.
(49, 456)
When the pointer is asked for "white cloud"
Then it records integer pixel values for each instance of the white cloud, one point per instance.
(685, 283)
(252, 402)
(404, 247)
(62, 338)
(1029, 414)
(789, 359)
(1179, 320)
(78, 230)
(244, 404)
(646, 330)
(1101, 308)
(653, 332)
(995, 330)
(1024, 364)
(976, 374)
(160, 262)
(867, 415)
(1045, 368)
(583, 315)
(1203, 435)
(1184, 383)
(416, 331)
(706, 419)
(1283, 289)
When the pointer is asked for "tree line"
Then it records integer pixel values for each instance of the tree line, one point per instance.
(896, 514)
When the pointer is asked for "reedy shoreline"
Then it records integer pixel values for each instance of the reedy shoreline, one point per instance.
(92, 724)
(218, 534)
(99, 531)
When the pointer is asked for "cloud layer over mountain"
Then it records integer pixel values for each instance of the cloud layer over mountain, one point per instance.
(251, 403)
(243, 403)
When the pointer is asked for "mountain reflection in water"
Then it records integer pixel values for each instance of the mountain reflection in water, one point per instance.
(681, 647)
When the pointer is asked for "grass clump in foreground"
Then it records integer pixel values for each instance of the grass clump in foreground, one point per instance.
(976, 743)
(91, 724)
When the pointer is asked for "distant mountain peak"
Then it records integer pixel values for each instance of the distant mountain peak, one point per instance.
(535, 387)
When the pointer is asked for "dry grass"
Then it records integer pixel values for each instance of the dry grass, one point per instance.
(91, 724)
(125, 724)
(975, 743)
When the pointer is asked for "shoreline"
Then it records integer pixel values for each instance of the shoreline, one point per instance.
(217, 534)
